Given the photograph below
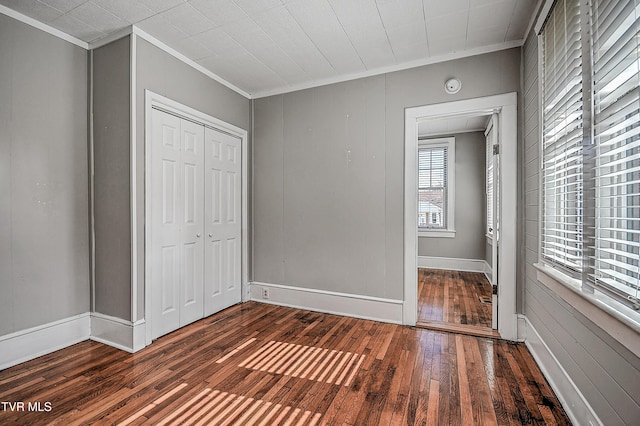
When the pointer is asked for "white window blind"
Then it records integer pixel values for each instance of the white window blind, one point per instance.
(616, 120)
(432, 187)
(562, 186)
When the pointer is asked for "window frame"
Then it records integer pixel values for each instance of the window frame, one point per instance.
(449, 231)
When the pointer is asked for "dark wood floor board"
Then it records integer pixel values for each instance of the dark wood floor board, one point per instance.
(454, 297)
(329, 370)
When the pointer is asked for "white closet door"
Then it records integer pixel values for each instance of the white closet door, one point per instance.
(177, 222)
(192, 240)
(223, 251)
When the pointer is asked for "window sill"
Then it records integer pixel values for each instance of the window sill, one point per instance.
(438, 233)
(619, 321)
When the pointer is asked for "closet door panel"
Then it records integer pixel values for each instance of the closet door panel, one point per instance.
(166, 221)
(192, 200)
(222, 220)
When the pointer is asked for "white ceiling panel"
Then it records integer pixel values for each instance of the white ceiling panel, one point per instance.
(187, 18)
(251, 7)
(363, 25)
(270, 46)
(219, 12)
(62, 5)
(522, 15)
(127, 10)
(262, 47)
(448, 26)
(98, 18)
(395, 13)
(33, 9)
(159, 5)
(321, 24)
(158, 27)
(285, 31)
(436, 8)
(492, 15)
(408, 41)
(220, 43)
(77, 28)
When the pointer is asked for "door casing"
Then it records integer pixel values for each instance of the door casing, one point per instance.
(505, 105)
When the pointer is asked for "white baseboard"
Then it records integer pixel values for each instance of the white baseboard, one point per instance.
(572, 400)
(488, 271)
(351, 305)
(521, 330)
(28, 344)
(116, 332)
(453, 264)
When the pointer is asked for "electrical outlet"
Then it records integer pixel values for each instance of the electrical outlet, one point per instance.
(265, 293)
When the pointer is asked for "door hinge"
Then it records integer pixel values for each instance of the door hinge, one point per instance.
(496, 149)
(494, 289)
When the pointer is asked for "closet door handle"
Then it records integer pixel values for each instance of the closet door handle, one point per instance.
(198, 235)
(210, 235)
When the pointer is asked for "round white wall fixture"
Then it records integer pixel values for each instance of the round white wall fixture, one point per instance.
(453, 85)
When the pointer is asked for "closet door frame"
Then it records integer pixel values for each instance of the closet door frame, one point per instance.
(154, 100)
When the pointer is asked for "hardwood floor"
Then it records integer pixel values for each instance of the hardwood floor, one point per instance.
(454, 299)
(261, 364)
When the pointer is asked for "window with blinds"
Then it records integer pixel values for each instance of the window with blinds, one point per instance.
(592, 145)
(562, 183)
(432, 186)
(616, 130)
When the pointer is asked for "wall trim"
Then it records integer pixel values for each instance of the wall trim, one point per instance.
(43, 27)
(572, 400)
(121, 334)
(453, 264)
(330, 302)
(31, 343)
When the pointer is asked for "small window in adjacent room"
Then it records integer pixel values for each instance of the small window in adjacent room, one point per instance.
(436, 160)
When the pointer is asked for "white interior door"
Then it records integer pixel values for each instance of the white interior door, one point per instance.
(177, 222)
(494, 138)
(223, 250)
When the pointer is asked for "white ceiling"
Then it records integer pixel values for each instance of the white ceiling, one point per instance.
(269, 46)
(453, 125)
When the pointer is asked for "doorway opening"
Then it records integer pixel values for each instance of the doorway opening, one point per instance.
(455, 252)
(488, 274)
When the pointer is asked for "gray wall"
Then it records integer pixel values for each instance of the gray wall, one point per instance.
(607, 374)
(163, 74)
(323, 222)
(44, 261)
(111, 123)
(470, 205)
